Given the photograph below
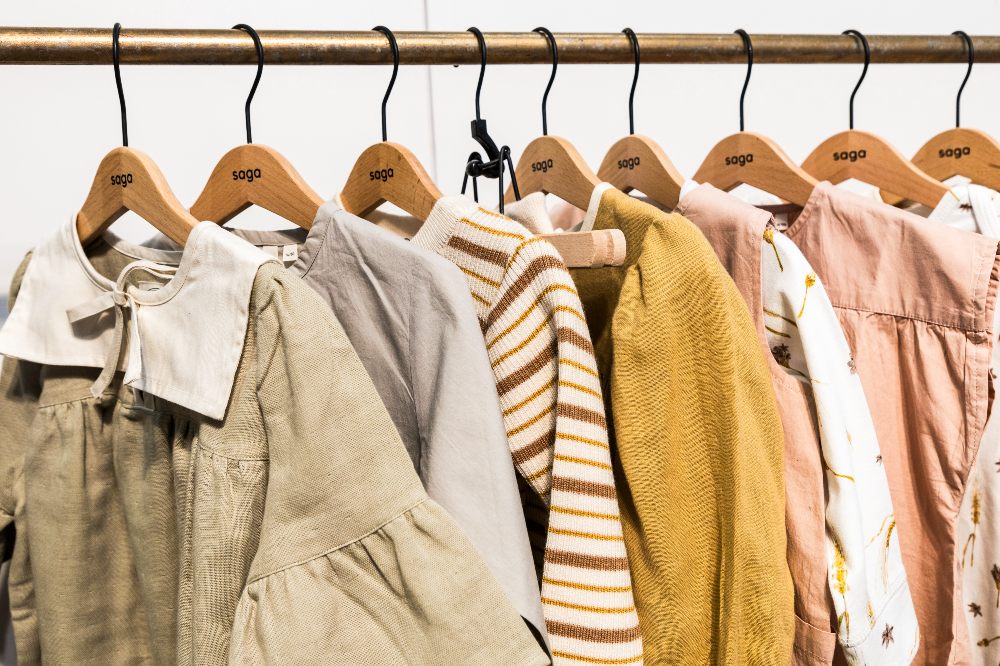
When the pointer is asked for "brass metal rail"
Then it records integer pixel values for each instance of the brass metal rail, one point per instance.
(92, 46)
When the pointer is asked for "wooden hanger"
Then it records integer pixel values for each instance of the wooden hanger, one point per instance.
(637, 162)
(128, 179)
(871, 159)
(961, 151)
(551, 164)
(753, 159)
(253, 174)
(388, 171)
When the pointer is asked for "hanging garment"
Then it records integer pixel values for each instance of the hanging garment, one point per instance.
(917, 303)
(837, 496)
(408, 314)
(698, 441)
(976, 208)
(241, 486)
(546, 376)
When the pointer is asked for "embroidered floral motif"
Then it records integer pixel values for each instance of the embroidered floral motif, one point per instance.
(976, 610)
(782, 354)
(995, 572)
(888, 525)
(986, 641)
(878, 459)
(840, 586)
(769, 239)
(970, 542)
(810, 281)
(887, 638)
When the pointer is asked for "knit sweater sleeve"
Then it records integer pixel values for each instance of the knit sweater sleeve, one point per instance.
(700, 443)
(549, 387)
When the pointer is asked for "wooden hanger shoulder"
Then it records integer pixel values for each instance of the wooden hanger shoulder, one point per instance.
(961, 151)
(589, 249)
(871, 159)
(637, 162)
(256, 175)
(390, 172)
(552, 165)
(755, 160)
(128, 179)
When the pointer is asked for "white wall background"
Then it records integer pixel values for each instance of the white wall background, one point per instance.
(57, 122)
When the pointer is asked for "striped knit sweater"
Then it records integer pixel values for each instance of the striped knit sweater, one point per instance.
(546, 374)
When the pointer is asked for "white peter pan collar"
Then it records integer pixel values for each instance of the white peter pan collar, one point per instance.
(186, 334)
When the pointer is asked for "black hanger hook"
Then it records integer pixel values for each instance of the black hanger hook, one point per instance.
(555, 65)
(972, 60)
(260, 70)
(481, 40)
(864, 71)
(748, 47)
(116, 61)
(395, 70)
(634, 40)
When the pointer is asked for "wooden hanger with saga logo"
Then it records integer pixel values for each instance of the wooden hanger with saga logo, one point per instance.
(387, 171)
(637, 162)
(128, 179)
(870, 158)
(962, 151)
(753, 159)
(256, 175)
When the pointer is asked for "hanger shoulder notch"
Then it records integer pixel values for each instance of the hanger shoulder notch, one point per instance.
(961, 151)
(873, 160)
(636, 162)
(552, 165)
(128, 179)
(390, 172)
(755, 160)
(256, 175)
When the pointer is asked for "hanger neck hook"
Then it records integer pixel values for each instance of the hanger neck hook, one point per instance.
(970, 49)
(395, 70)
(864, 71)
(260, 70)
(552, 77)
(116, 61)
(481, 40)
(748, 47)
(634, 40)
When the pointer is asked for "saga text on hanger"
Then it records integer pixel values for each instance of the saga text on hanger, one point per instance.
(128, 179)
(254, 174)
(753, 159)
(870, 158)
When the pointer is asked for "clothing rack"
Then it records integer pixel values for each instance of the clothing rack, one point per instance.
(92, 46)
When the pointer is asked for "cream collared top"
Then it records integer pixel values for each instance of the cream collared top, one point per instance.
(60, 316)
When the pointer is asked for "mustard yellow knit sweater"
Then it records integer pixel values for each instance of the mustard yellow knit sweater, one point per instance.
(697, 441)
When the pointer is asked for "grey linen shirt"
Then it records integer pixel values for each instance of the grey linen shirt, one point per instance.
(409, 316)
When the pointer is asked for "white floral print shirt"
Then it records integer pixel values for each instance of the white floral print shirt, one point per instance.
(875, 616)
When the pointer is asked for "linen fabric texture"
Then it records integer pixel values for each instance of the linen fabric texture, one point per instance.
(546, 376)
(407, 313)
(697, 442)
(837, 495)
(294, 529)
(916, 301)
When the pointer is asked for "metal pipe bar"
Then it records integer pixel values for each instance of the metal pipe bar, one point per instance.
(92, 46)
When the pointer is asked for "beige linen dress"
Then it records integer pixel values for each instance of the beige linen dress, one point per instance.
(239, 494)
